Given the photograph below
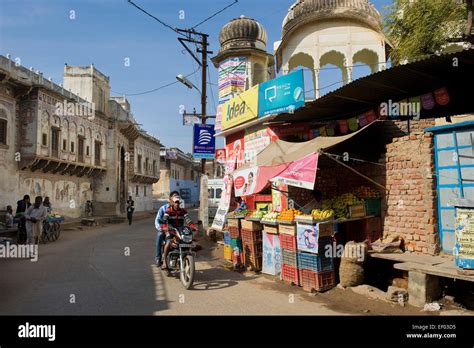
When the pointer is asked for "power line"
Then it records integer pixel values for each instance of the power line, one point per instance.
(155, 89)
(215, 14)
(154, 17)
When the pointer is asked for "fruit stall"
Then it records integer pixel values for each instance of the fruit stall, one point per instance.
(296, 246)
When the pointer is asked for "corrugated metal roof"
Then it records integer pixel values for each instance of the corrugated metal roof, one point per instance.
(398, 83)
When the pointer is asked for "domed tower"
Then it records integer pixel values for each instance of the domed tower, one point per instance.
(339, 32)
(243, 60)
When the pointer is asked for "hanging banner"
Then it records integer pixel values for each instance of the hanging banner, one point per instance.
(221, 156)
(300, 173)
(232, 74)
(240, 109)
(235, 153)
(283, 94)
(204, 144)
(253, 180)
(254, 143)
(224, 204)
(297, 132)
(279, 200)
(353, 125)
(427, 101)
(218, 125)
(343, 126)
(245, 181)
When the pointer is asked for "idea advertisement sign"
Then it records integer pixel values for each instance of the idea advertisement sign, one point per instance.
(283, 94)
(204, 144)
(240, 109)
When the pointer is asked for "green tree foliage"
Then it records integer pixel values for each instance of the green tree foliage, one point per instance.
(419, 28)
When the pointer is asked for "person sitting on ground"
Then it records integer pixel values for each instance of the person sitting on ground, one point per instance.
(9, 217)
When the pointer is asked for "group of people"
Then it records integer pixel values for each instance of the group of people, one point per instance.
(30, 218)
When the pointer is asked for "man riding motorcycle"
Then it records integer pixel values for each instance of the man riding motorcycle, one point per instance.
(172, 214)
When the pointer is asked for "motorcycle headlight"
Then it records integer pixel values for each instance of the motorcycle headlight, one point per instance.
(187, 238)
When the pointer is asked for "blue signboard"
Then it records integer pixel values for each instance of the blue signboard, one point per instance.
(283, 94)
(204, 144)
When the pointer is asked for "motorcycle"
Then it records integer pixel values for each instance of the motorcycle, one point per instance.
(180, 257)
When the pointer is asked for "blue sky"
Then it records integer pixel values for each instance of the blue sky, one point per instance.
(107, 32)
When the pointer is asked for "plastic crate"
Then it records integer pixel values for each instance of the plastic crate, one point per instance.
(315, 263)
(251, 236)
(226, 237)
(254, 249)
(289, 258)
(227, 252)
(234, 232)
(288, 242)
(290, 274)
(373, 206)
(236, 243)
(320, 281)
(322, 242)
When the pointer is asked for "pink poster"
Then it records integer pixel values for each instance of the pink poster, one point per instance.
(301, 173)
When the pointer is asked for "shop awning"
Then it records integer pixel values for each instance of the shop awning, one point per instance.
(280, 151)
(281, 160)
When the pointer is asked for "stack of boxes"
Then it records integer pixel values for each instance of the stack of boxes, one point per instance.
(317, 270)
(289, 267)
(252, 236)
(236, 245)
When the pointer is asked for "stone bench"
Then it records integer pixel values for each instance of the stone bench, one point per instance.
(424, 273)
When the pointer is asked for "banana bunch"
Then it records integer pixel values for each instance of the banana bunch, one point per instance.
(322, 214)
(340, 205)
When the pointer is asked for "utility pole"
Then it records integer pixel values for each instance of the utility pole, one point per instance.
(191, 36)
(195, 37)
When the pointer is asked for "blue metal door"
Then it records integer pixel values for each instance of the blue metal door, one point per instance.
(455, 176)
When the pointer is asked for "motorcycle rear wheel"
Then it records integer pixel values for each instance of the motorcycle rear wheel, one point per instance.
(187, 272)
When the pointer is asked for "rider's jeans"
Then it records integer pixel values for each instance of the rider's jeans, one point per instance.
(160, 236)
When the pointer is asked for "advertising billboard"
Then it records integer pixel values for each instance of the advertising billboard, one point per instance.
(204, 144)
(240, 109)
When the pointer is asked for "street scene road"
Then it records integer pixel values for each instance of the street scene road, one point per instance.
(109, 270)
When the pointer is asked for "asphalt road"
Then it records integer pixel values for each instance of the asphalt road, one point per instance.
(88, 272)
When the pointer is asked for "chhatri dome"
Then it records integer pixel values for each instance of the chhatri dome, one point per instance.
(244, 39)
(305, 11)
(343, 33)
(243, 32)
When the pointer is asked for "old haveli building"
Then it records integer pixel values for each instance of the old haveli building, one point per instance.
(91, 149)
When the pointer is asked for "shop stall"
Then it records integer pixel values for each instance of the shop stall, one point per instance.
(299, 241)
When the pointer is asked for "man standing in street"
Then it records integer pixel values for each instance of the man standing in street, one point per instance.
(35, 215)
(21, 207)
(130, 209)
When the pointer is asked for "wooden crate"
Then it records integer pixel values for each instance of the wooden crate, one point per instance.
(233, 222)
(357, 211)
(270, 229)
(287, 229)
(251, 225)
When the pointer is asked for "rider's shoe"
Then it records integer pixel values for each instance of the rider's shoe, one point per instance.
(158, 263)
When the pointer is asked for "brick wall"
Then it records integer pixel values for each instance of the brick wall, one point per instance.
(411, 205)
